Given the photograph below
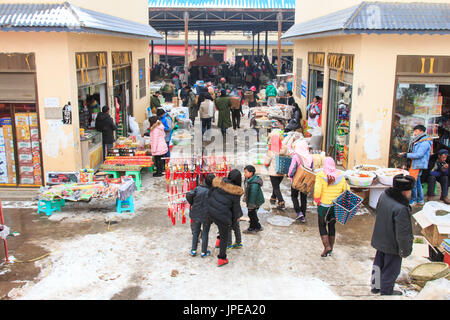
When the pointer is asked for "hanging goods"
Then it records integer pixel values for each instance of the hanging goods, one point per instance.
(346, 205)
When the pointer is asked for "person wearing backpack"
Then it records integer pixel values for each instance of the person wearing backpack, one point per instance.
(301, 157)
(253, 197)
(236, 111)
(201, 222)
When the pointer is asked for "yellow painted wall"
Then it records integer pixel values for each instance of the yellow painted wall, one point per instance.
(373, 84)
(56, 77)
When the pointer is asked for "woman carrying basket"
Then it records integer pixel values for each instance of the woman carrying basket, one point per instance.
(301, 158)
(329, 185)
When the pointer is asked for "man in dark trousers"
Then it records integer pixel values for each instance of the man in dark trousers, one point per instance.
(392, 236)
(105, 124)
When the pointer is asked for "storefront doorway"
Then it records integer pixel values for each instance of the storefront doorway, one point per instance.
(422, 96)
(20, 146)
(316, 77)
(123, 106)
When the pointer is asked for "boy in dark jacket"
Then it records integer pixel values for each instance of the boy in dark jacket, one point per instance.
(105, 124)
(224, 207)
(392, 235)
(201, 222)
(254, 198)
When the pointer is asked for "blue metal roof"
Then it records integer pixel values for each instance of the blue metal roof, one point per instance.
(65, 17)
(232, 4)
(378, 17)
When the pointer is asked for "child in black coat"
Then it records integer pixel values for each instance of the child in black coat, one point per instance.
(201, 221)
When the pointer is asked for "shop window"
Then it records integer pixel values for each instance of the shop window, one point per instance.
(425, 104)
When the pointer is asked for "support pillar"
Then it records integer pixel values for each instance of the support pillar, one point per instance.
(280, 17)
(167, 61)
(257, 50)
(266, 43)
(198, 44)
(186, 38)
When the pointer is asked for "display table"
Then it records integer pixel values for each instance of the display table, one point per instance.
(53, 198)
(375, 191)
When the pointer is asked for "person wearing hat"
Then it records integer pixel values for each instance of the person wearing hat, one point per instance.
(392, 235)
(438, 172)
(155, 103)
(224, 208)
(419, 152)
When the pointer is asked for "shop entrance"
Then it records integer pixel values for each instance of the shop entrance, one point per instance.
(315, 84)
(420, 103)
(338, 121)
(123, 106)
(20, 147)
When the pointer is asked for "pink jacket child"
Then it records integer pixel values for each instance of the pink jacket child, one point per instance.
(300, 157)
(157, 139)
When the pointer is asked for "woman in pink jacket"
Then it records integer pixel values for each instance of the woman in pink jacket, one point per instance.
(301, 157)
(158, 145)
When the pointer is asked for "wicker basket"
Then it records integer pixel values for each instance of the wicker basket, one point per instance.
(425, 272)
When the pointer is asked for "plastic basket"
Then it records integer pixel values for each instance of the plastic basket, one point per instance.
(346, 205)
(282, 164)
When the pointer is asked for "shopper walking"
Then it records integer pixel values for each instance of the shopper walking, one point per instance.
(105, 124)
(301, 158)
(254, 198)
(295, 121)
(419, 152)
(223, 105)
(253, 98)
(276, 148)
(201, 221)
(168, 124)
(158, 143)
(329, 185)
(392, 235)
(224, 208)
(206, 109)
(236, 111)
(189, 102)
(271, 95)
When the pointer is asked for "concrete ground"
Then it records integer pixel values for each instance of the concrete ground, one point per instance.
(87, 251)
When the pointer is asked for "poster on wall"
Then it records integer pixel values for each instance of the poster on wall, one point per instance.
(67, 114)
(304, 88)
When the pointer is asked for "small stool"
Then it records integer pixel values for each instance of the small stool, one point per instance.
(115, 174)
(125, 205)
(425, 188)
(48, 207)
(136, 177)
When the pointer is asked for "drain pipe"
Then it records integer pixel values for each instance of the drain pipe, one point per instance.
(4, 241)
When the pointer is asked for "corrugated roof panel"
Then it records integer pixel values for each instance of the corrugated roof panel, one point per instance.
(69, 18)
(379, 17)
(235, 4)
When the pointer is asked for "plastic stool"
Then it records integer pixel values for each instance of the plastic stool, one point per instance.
(425, 188)
(114, 173)
(125, 205)
(137, 178)
(48, 207)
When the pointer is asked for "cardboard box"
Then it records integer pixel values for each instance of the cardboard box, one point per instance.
(22, 119)
(33, 119)
(23, 133)
(24, 147)
(25, 159)
(27, 180)
(35, 146)
(26, 170)
(5, 122)
(34, 133)
(433, 233)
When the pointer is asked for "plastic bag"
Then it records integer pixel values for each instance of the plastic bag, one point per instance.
(134, 127)
(430, 208)
(280, 221)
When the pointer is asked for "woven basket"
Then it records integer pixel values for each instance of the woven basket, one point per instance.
(346, 205)
(282, 164)
(425, 272)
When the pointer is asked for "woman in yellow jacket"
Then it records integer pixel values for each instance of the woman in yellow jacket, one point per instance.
(330, 183)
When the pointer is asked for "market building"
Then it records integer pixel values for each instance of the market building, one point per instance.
(59, 64)
(199, 20)
(381, 68)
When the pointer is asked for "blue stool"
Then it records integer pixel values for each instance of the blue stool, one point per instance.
(125, 205)
(48, 207)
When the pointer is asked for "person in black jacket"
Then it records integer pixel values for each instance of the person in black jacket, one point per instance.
(224, 207)
(392, 235)
(295, 122)
(105, 124)
(201, 222)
